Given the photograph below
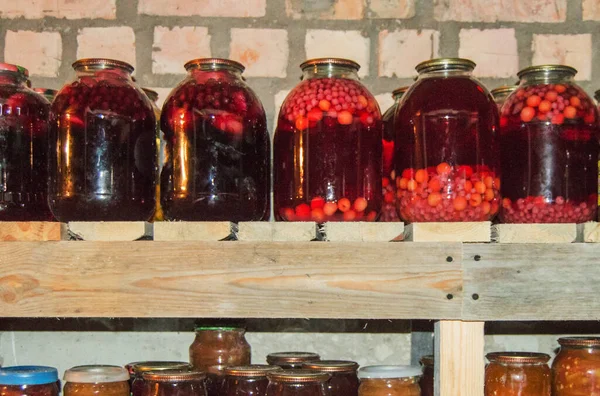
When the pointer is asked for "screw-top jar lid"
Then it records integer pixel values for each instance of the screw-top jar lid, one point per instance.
(291, 357)
(28, 375)
(101, 63)
(439, 64)
(332, 366)
(254, 370)
(214, 63)
(296, 376)
(427, 360)
(96, 374)
(143, 367)
(174, 376)
(219, 328)
(518, 357)
(399, 91)
(330, 61)
(380, 372)
(503, 90)
(9, 67)
(592, 342)
(546, 69)
(150, 93)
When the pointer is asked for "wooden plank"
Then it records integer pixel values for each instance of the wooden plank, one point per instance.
(259, 231)
(534, 233)
(230, 279)
(459, 365)
(192, 230)
(284, 231)
(449, 232)
(32, 231)
(109, 230)
(591, 232)
(363, 231)
(531, 282)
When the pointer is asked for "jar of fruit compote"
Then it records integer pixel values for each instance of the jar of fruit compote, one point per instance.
(427, 380)
(97, 380)
(297, 383)
(218, 147)
(160, 148)
(576, 367)
(500, 94)
(47, 93)
(136, 371)
(446, 151)
(29, 381)
(517, 374)
(389, 381)
(174, 383)
(103, 150)
(327, 147)
(549, 149)
(23, 148)
(343, 381)
(215, 346)
(247, 380)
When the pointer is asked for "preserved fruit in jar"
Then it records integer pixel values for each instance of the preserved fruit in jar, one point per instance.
(174, 383)
(427, 380)
(576, 367)
(215, 375)
(102, 162)
(500, 94)
(297, 383)
(327, 147)
(160, 147)
(446, 151)
(47, 93)
(389, 381)
(29, 381)
(343, 381)
(96, 381)
(137, 370)
(247, 380)
(517, 374)
(217, 147)
(23, 148)
(291, 360)
(214, 346)
(549, 149)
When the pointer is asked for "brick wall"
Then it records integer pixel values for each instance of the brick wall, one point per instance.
(272, 37)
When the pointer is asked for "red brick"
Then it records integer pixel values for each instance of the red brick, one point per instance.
(112, 42)
(567, 49)
(40, 52)
(500, 10)
(397, 9)
(350, 44)
(498, 60)
(401, 50)
(591, 10)
(207, 8)
(69, 9)
(173, 47)
(264, 52)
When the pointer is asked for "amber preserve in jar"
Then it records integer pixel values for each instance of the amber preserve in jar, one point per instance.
(29, 381)
(174, 383)
(427, 380)
(291, 360)
(389, 381)
(549, 149)
(103, 148)
(343, 381)
(446, 151)
(247, 380)
(139, 368)
(215, 346)
(327, 147)
(96, 381)
(517, 374)
(576, 368)
(297, 383)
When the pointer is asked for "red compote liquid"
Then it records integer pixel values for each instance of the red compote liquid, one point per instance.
(103, 150)
(23, 148)
(217, 147)
(446, 150)
(327, 147)
(549, 146)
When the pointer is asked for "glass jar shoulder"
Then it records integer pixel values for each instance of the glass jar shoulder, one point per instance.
(20, 100)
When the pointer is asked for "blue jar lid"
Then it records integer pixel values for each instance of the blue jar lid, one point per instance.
(28, 375)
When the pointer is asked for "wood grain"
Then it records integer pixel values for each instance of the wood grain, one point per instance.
(110, 230)
(534, 233)
(591, 232)
(32, 231)
(363, 231)
(448, 232)
(191, 230)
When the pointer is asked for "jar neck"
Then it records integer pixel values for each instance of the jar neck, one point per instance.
(93, 71)
(218, 334)
(546, 77)
(328, 70)
(217, 71)
(12, 78)
(445, 72)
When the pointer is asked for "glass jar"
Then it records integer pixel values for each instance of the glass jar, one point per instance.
(517, 374)
(327, 147)
(215, 375)
(160, 147)
(218, 147)
(446, 151)
(96, 381)
(291, 360)
(427, 379)
(501, 93)
(343, 381)
(388, 183)
(29, 381)
(576, 367)
(23, 148)
(47, 93)
(297, 383)
(247, 380)
(103, 160)
(389, 381)
(219, 346)
(549, 149)
(139, 368)
(174, 383)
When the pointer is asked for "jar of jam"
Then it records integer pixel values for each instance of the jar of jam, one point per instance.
(427, 379)
(215, 375)
(47, 93)
(247, 380)
(23, 148)
(219, 346)
(218, 146)
(576, 368)
(297, 383)
(517, 374)
(501, 93)
(160, 147)
(139, 368)
(343, 381)
(29, 381)
(291, 360)
(103, 156)
(96, 381)
(446, 151)
(174, 383)
(327, 147)
(549, 146)
(389, 381)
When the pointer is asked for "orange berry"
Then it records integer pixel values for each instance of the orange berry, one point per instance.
(324, 105)
(533, 101)
(527, 114)
(575, 101)
(372, 216)
(344, 117)
(362, 100)
(506, 203)
(350, 215)
(434, 199)
(301, 123)
(551, 95)
(489, 194)
(402, 183)
(468, 186)
(435, 185)
(360, 204)
(558, 119)
(489, 181)
(317, 215)
(303, 211)
(344, 205)
(443, 168)
(486, 207)
(421, 176)
(545, 106)
(480, 187)
(317, 203)
(460, 203)
(315, 114)
(570, 112)
(330, 208)
(288, 214)
(560, 88)
(411, 185)
(497, 183)
(475, 200)
(495, 208)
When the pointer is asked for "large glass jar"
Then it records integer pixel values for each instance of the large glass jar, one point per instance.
(517, 374)
(576, 368)
(291, 360)
(297, 383)
(247, 380)
(549, 149)
(327, 147)
(343, 381)
(219, 346)
(29, 381)
(389, 381)
(427, 380)
(446, 151)
(160, 148)
(174, 383)
(102, 162)
(23, 148)
(218, 147)
(138, 369)
(96, 381)
(502, 93)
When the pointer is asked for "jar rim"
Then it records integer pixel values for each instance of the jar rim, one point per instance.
(503, 89)
(214, 63)
(96, 374)
(292, 357)
(219, 328)
(102, 63)
(298, 376)
(537, 69)
(10, 67)
(330, 61)
(174, 375)
(28, 375)
(142, 367)
(518, 357)
(399, 91)
(580, 341)
(332, 366)
(389, 372)
(438, 64)
(253, 370)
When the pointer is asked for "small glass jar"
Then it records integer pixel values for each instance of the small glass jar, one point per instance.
(343, 381)
(174, 383)
(517, 374)
(96, 381)
(549, 149)
(446, 151)
(247, 380)
(215, 346)
(427, 379)
(297, 383)
(47, 93)
(291, 360)
(327, 147)
(139, 368)
(389, 381)
(29, 381)
(501, 93)
(576, 367)
(160, 148)
(103, 147)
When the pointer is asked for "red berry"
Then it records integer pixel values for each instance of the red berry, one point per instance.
(317, 215)
(330, 208)
(360, 204)
(315, 114)
(527, 114)
(570, 112)
(301, 123)
(344, 205)
(303, 211)
(349, 215)
(317, 203)
(533, 101)
(345, 117)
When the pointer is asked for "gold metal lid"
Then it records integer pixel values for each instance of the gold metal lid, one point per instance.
(427, 360)
(219, 329)
(332, 366)
(591, 342)
(445, 64)
(101, 63)
(254, 370)
(298, 376)
(150, 93)
(504, 89)
(214, 63)
(291, 357)
(142, 367)
(399, 91)
(330, 61)
(545, 69)
(518, 357)
(174, 376)
(9, 67)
